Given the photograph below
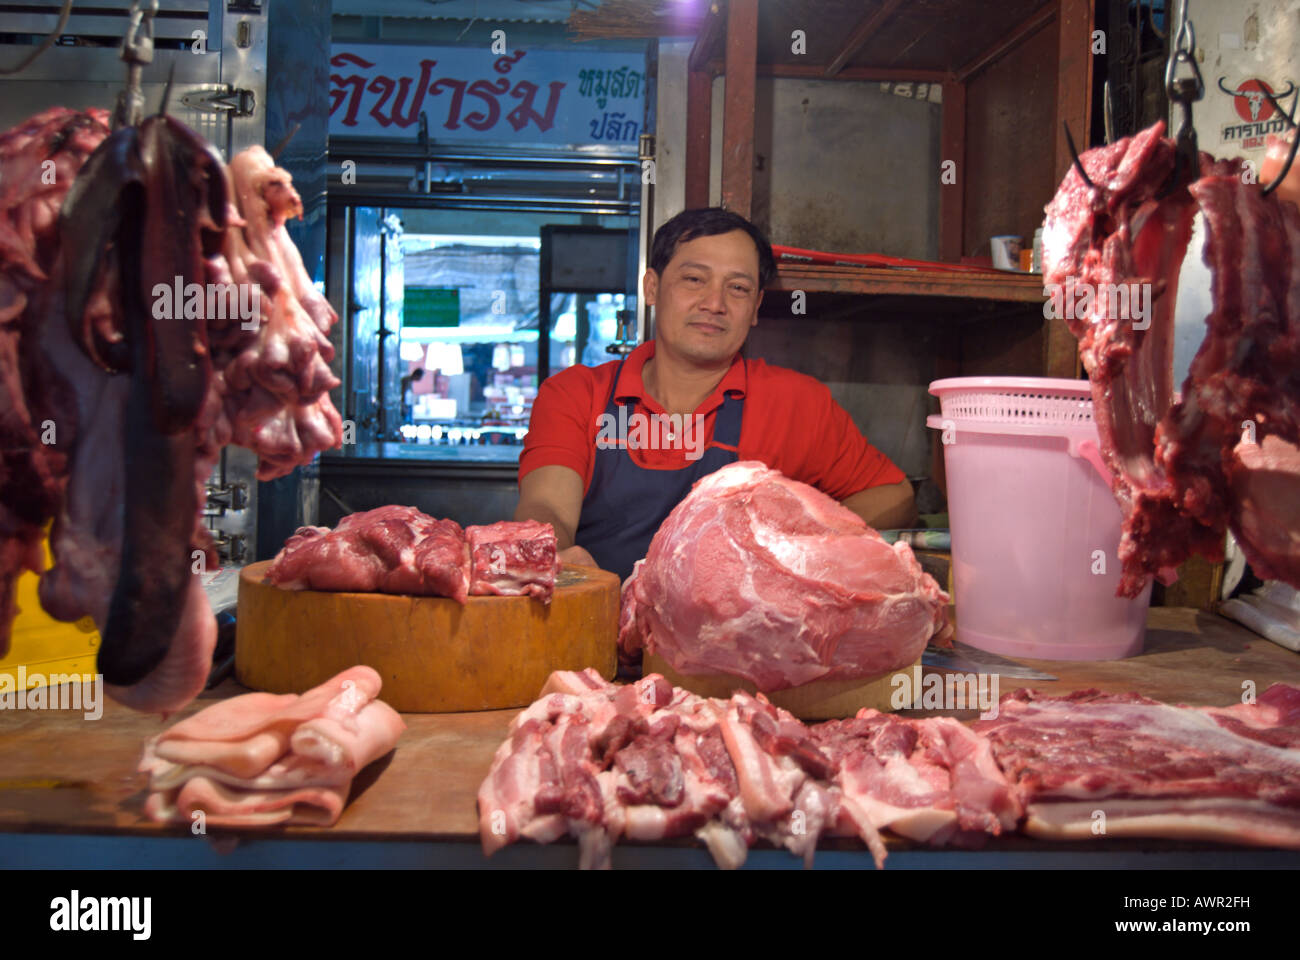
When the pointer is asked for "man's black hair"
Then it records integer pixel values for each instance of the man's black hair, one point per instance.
(709, 222)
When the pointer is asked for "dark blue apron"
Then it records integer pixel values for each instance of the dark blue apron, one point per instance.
(625, 504)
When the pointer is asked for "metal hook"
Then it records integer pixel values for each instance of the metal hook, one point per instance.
(1108, 112)
(1184, 91)
(1286, 167)
(1187, 89)
(284, 141)
(1074, 154)
(137, 52)
(64, 12)
(167, 90)
(1287, 115)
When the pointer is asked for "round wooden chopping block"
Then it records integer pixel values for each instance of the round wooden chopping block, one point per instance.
(819, 700)
(434, 655)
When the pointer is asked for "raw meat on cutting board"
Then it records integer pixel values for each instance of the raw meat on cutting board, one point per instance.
(513, 559)
(759, 576)
(386, 550)
(403, 551)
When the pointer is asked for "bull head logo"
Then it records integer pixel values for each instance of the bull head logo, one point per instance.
(1255, 92)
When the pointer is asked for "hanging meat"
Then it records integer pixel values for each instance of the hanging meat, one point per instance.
(1186, 468)
(152, 310)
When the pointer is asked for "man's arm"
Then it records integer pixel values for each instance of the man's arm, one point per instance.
(553, 494)
(890, 506)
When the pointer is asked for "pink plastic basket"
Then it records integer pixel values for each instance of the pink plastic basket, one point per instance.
(1035, 528)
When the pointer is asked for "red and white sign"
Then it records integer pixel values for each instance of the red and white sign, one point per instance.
(1250, 99)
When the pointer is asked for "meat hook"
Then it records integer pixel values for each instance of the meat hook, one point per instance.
(284, 141)
(1287, 115)
(1286, 167)
(44, 45)
(167, 90)
(1184, 91)
(1074, 154)
(1108, 112)
(137, 53)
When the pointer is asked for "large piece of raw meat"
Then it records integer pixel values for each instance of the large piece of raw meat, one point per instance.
(114, 405)
(401, 550)
(1182, 470)
(647, 761)
(597, 761)
(1123, 765)
(759, 576)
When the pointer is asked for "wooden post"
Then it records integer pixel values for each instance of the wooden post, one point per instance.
(1073, 106)
(699, 121)
(952, 196)
(1073, 78)
(738, 107)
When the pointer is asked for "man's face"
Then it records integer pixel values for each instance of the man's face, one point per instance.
(707, 298)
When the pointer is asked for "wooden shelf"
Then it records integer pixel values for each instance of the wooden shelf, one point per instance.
(985, 285)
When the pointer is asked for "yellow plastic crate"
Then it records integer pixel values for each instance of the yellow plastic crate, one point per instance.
(44, 645)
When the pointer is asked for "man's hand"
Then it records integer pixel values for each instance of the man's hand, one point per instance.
(577, 555)
(888, 507)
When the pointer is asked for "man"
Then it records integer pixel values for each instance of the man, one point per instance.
(708, 269)
(406, 386)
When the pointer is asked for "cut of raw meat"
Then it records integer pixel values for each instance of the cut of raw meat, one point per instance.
(1153, 769)
(762, 577)
(930, 780)
(1172, 459)
(783, 776)
(401, 550)
(667, 763)
(386, 550)
(261, 758)
(513, 558)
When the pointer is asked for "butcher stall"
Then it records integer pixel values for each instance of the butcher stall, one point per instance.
(1043, 252)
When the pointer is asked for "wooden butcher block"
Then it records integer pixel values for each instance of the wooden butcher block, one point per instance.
(434, 655)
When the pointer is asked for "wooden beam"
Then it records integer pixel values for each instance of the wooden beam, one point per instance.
(706, 44)
(860, 35)
(1060, 350)
(985, 285)
(1073, 79)
(952, 196)
(1035, 22)
(699, 125)
(815, 72)
(738, 107)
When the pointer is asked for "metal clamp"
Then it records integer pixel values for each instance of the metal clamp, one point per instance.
(137, 53)
(229, 99)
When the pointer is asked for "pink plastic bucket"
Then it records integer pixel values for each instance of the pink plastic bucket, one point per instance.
(1035, 528)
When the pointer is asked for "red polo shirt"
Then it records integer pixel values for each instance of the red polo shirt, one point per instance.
(791, 423)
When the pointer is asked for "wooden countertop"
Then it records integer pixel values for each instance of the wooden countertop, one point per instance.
(60, 773)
